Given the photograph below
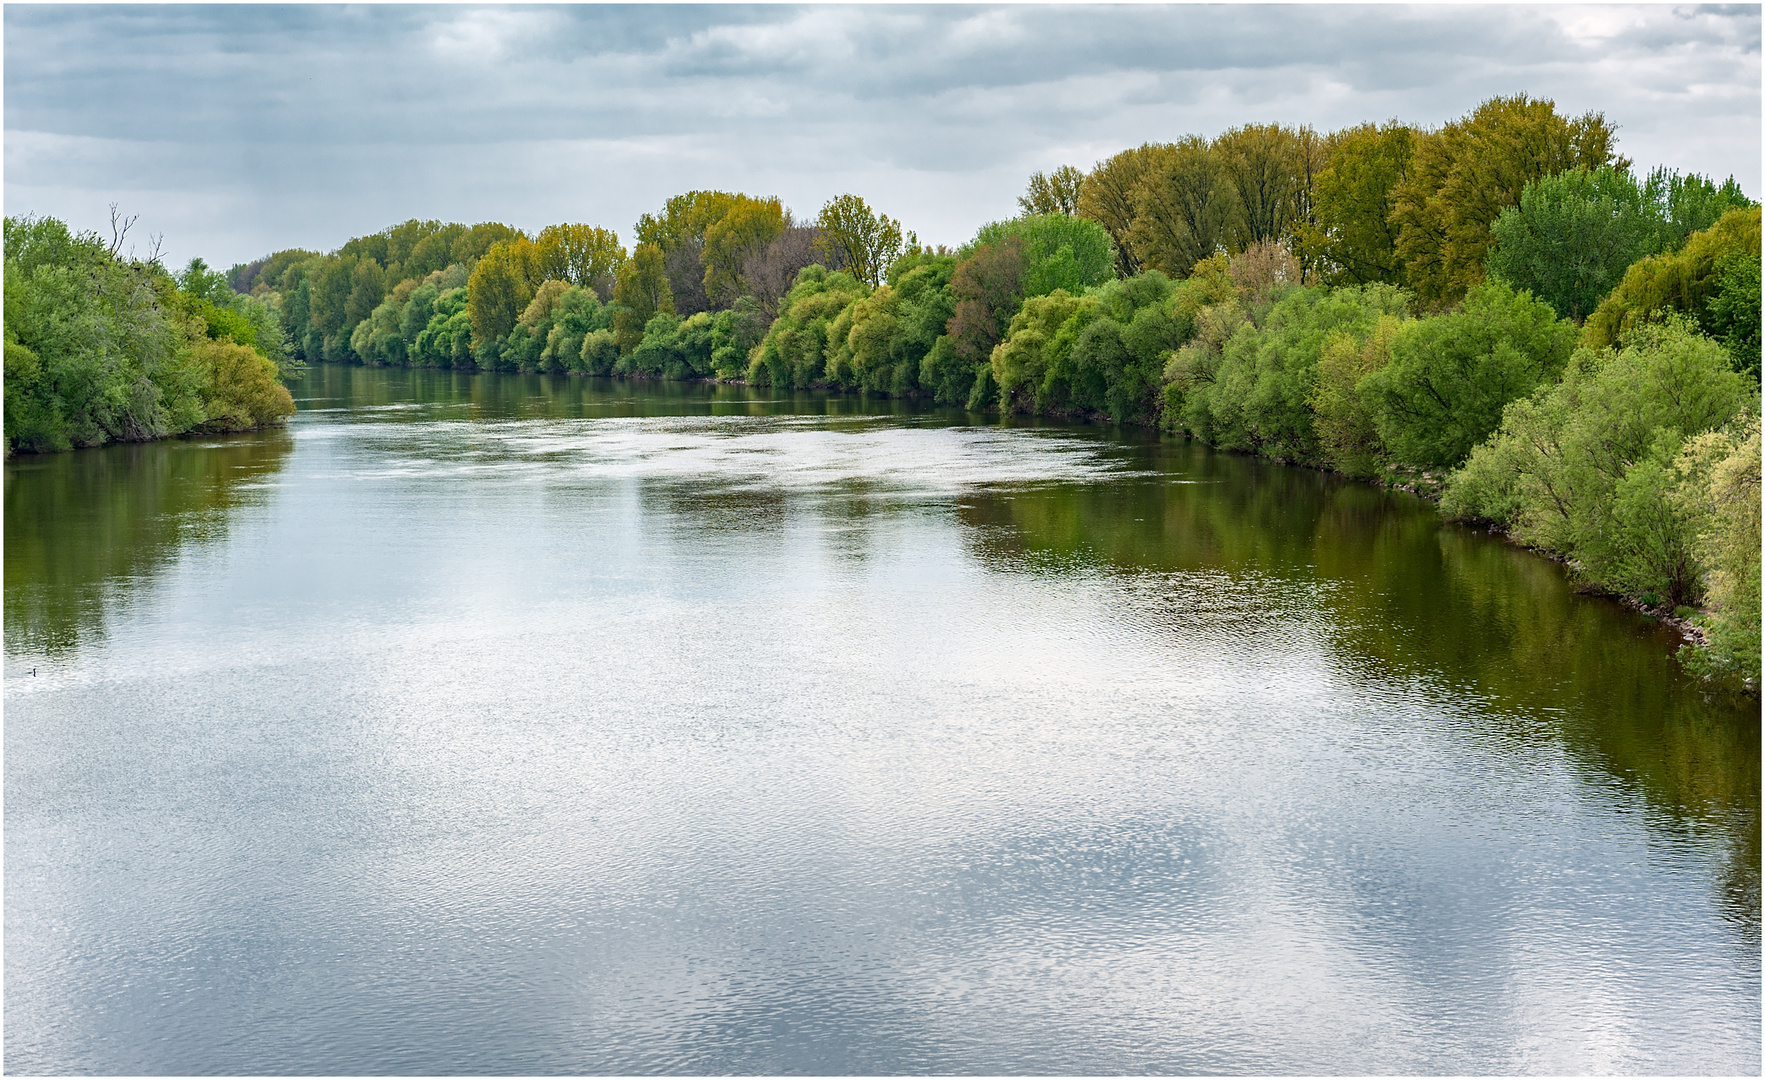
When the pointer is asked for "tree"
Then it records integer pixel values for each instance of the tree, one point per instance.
(1110, 197)
(1461, 177)
(988, 289)
(500, 288)
(771, 271)
(1684, 281)
(1353, 240)
(1573, 235)
(584, 255)
(862, 242)
(1184, 210)
(746, 228)
(1266, 167)
(1053, 193)
(1451, 375)
(641, 293)
(1059, 252)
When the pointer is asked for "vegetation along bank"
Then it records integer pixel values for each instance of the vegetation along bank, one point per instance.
(1500, 310)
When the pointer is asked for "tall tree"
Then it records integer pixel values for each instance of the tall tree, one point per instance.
(1110, 197)
(585, 255)
(500, 288)
(1352, 239)
(863, 242)
(1185, 209)
(642, 292)
(1053, 193)
(1266, 166)
(1573, 236)
(1464, 174)
(744, 230)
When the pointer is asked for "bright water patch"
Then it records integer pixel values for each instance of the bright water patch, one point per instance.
(507, 725)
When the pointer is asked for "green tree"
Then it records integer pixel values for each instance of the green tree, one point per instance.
(1717, 490)
(862, 242)
(794, 351)
(1461, 177)
(1451, 375)
(1053, 193)
(1059, 251)
(1266, 165)
(1353, 240)
(1573, 235)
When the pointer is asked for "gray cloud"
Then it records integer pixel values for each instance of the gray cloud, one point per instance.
(236, 130)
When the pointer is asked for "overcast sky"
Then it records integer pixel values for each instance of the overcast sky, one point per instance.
(235, 131)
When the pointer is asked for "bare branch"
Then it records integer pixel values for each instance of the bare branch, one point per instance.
(119, 229)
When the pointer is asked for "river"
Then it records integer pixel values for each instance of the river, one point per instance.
(529, 724)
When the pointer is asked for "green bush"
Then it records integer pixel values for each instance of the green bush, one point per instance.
(1451, 375)
(1584, 467)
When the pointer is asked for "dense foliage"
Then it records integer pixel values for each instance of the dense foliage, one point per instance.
(1473, 302)
(100, 348)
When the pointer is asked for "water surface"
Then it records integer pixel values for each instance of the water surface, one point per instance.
(544, 725)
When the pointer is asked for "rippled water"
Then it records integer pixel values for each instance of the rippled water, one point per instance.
(534, 725)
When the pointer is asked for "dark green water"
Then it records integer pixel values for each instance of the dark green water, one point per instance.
(543, 725)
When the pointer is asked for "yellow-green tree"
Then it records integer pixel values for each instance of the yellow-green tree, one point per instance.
(1270, 167)
(1352, 239)
(1185, 210)
(641, 293)
(1683, 281)
(585, 255)
(1053, 193)
(744, 230)
(863, 242)
(1461, 177)
(500, 288)
(1109, 196)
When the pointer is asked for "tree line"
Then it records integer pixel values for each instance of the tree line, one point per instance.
(1386, 300)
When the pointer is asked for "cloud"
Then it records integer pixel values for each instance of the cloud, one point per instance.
(237, 129)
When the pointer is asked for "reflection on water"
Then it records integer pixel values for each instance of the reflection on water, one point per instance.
(1410, 602)
(525, 724)
(89, 529)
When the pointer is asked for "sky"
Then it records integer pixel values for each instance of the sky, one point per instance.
(231, 132)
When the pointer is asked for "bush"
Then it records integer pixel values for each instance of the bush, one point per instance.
(794, 351)
(1259, 395)
(1451, 375)
(1718, 491)
(240, 391)
(1584, 467)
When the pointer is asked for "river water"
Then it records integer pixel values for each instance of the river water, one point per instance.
(507, 724)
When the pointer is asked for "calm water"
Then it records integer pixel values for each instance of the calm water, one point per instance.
(533, 725)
